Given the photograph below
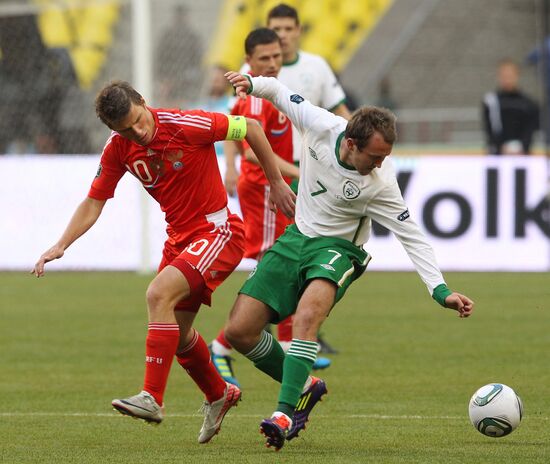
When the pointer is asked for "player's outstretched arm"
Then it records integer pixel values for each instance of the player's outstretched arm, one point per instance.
(83, 218)
(280, 196)
(231, 149)
(460, 303)
(287, 169)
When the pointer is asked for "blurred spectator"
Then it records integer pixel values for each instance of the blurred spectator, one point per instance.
(510, 117)
(536, 57)
(219, 95)
(178, 61)
(34, 81)
(18, 66)
(385, 98)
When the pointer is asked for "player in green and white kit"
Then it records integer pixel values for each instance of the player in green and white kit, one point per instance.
(346, 181)
(310, 76)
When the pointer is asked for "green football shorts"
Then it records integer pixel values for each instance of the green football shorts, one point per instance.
(283, 273)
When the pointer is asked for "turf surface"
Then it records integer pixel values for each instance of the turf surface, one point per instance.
(398, 390)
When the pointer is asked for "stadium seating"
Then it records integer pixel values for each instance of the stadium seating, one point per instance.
(333, 29)
(85, 31)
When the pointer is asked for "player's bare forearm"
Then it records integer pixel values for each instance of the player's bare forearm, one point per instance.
(84, 217)
(231, 149)
(281, 196)
(287, 169)
(260, 146)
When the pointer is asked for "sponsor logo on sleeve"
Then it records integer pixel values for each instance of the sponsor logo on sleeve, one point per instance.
(99, 169)
(296, 99)
(403, 216)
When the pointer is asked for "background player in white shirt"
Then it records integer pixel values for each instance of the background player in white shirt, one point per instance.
(305, 72)
(346, 180)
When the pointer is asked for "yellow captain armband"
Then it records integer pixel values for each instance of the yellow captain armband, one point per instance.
(237, 128)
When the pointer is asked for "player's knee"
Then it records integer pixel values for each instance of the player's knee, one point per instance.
(160, 303)
(231, 332)
(306, 323)
(154, 296)
(237, 336)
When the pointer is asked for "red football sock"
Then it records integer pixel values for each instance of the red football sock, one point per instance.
(195, 359)
(160, 347)
(284, 330)
(221, 340)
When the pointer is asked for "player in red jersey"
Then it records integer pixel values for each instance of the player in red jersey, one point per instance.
(172, 153)
(263, 226)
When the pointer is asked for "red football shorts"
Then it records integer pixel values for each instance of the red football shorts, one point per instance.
(262, 227)
(214, 251)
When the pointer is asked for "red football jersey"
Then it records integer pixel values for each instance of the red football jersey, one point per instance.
(178, 168)
(277, 128)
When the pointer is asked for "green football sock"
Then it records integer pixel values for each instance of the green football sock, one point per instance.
(268, 356)
(297, 366)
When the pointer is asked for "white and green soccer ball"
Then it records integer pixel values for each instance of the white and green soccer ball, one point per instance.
(495, 410)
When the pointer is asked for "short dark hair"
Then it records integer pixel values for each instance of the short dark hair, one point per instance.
(114, 101)
(370, 119)
(282, 10)
(260, 36)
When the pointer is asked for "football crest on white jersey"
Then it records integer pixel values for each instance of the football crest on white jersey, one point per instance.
(351, 191)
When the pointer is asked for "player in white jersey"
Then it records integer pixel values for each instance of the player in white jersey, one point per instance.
(346, 180)
(310, 76)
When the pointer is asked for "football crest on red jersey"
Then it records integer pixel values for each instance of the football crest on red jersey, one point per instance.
(174, 157)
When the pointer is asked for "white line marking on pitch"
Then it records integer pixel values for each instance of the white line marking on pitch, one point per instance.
(246, 416)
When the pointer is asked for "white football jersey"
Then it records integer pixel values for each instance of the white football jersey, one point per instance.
(311, 77)
(334, 200)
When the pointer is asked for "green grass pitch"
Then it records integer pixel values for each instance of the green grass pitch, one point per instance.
(398, 390)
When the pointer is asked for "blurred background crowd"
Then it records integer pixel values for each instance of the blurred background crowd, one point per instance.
(463, 76)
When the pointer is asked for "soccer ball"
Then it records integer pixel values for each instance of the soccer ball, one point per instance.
(495, 410)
